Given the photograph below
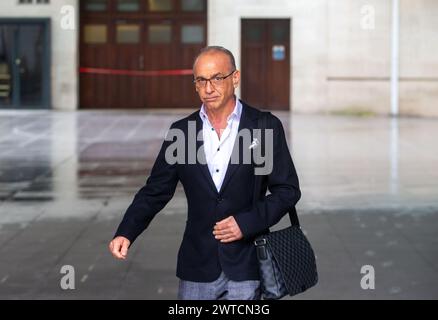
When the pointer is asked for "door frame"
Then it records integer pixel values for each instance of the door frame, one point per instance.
(46, 81)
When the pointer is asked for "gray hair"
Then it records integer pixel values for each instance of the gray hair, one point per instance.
(216, 49)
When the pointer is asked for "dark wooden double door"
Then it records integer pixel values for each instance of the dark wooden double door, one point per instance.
(112, 41)
(266, 63)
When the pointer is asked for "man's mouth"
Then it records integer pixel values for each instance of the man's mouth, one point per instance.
(210, 99)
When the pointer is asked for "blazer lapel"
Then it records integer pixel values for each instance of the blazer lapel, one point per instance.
(203, 166)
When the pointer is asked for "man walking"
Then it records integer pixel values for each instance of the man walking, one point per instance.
(217, 257)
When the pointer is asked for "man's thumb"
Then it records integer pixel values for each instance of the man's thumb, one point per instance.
(125, 246)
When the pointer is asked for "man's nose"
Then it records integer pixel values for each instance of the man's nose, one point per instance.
(209, 87)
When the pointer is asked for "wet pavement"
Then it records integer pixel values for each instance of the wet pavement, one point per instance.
(370, 197)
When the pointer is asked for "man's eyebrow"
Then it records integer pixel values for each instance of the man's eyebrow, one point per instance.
(215, 75)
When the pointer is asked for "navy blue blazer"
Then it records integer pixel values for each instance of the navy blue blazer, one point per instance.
(201, 257)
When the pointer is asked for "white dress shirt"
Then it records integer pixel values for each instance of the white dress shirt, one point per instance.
(218, 151)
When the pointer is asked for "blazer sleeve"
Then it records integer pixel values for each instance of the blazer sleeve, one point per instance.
(283, 185)
(151, 198)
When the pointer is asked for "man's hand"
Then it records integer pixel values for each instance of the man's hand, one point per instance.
(227, 230)
(119, 247)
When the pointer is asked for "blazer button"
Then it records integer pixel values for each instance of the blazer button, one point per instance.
(219, 199)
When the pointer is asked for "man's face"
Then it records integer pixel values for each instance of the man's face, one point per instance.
(211, 65)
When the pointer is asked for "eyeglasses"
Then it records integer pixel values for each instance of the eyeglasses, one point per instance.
(215, 81)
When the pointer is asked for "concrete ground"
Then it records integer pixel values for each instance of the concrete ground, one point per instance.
(370, 197)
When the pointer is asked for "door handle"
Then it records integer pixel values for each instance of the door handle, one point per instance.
(141, 62)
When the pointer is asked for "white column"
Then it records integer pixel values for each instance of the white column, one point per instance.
(395, 28)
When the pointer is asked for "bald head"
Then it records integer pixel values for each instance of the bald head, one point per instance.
(216, 50)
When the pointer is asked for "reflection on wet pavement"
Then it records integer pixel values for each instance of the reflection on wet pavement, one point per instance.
(370, 197)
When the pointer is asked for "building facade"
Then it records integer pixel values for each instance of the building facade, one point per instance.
(305, 56)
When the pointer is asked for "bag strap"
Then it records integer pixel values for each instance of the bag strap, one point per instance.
(262, 124)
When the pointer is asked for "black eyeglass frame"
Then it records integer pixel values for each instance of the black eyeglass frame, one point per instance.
(219, 78)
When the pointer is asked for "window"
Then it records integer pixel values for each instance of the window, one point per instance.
(192, 5)
(192, 34)
(279, 33)
(160, 33)
(95, 33)
(254, 32)
(96, 5)
(160, 5)
(128, 5)
(128, 33)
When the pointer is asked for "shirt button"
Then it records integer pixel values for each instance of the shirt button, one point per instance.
(218, 149)
(212, 129)
(217, 170)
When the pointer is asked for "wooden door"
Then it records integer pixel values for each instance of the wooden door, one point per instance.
(127, 91)
(266, 63)
(191, 37)
(95, 53)
(139, 54)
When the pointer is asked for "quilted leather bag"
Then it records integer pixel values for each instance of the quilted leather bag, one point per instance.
(286, 259)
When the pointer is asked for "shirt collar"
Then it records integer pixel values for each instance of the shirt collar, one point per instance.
(237, 112)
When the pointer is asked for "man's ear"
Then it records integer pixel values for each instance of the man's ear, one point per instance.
(236, 78)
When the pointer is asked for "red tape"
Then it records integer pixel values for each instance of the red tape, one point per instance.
(146, 73)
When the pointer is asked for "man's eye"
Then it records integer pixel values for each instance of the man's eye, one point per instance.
(217, 78)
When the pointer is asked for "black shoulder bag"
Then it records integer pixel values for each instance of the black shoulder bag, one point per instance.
(286, 259)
